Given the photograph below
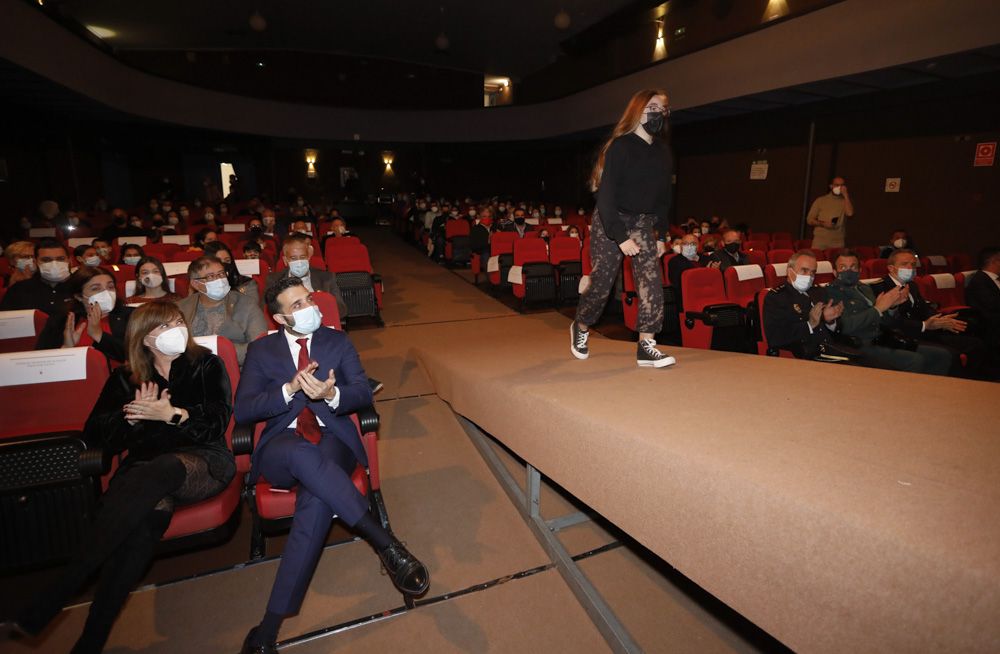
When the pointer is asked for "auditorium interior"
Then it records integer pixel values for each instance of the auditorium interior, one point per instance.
(744, 499)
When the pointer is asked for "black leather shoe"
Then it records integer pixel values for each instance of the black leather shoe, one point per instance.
(249, 646)
(407, 573)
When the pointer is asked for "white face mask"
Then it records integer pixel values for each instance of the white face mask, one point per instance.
(676, 249)
(307, 320)
(558, 212)
(172, 341)
(209, 217)
(899, 243)
(836, 190)
(802, 282)
(299, 267)
(535, 214)
(92, 261)
(103, 252)
(130, 261)
(217, 289)
(472, 213)
(689, 250)
(54, 271)
(905, 274)
(105, 299)
(25, 264)
(152, 280)
(172, 220)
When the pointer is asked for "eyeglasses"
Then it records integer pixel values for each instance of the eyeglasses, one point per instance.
(663, 110)
(212, 277)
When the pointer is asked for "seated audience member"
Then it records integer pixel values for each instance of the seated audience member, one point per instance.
(296, 253)
(300, 226)
(730, 254)
(706, 228)
(21, 257)
(479, 235)
(72, 222)
(92, 315)
(520, 223)
(209, 219)
(338, 229)
(797, 316)
(223, 215)
(574, 231)
(46, 289)
(131, 254)
(86, 255)
(687, 260)
(177, 403)
(269, 222)
(215, 309)
(103, 247)
(917, 319)
(251, 250)
(708, 247)
(151, 283)
(237, 281)
(899, 240)
(118, 226)
(256, 231)
(505, 223)
(982, 293)
(864, 316)
(202, 238)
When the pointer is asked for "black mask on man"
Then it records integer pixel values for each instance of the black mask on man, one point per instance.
(519, 221)
(733, 248)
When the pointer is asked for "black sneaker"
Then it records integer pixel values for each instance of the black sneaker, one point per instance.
(649, 357)
(578, 341)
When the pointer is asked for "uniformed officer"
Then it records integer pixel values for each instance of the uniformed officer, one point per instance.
(798, 317)
(865, 316)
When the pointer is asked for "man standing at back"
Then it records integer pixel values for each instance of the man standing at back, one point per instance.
(305, 381)
(828, 216)
(297, 252)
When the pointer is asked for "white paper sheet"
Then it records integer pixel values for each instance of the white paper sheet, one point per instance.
(514, 275)
(43, 366)
(174, 268)
(211, 342)
(493, 264)
(234, 227)
(17, 324)
(177, 239)
(248, 266)
(41, 232)
(937, 260)
(77, 241)
(751, 271)
(944, 280)
(134, 240)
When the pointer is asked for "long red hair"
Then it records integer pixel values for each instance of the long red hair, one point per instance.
(627, 123)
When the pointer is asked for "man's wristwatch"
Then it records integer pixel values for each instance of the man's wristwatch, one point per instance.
(176, 418)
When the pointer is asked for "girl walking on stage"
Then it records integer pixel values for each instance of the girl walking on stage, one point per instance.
(632, 179)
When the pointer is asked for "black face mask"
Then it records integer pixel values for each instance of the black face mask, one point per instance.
(519, 220)
(654, 123)
(733, 248)
(707, 249)
(255, 229)
(849, 277)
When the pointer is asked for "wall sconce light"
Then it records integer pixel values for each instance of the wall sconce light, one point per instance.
(775, 9)
(660, 49)
(388, 156)
(311, 164)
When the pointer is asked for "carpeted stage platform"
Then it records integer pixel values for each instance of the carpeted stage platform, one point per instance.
(839, 510)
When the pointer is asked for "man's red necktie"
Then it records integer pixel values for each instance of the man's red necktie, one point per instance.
(307, 426)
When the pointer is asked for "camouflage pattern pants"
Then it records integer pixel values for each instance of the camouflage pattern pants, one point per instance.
(606, 257)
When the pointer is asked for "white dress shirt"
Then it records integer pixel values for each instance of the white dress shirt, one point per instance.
(294, 348)
(995, 277)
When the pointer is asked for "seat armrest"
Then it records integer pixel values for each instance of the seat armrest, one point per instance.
(94, 462)
(243, 439)
(369, 419)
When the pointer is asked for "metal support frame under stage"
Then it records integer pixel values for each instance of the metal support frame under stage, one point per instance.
(593, 603)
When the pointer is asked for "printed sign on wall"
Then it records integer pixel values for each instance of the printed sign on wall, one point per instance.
(986, 154)
(892, 184)
(758, 170)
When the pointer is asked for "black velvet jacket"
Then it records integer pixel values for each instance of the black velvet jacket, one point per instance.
(200, 386)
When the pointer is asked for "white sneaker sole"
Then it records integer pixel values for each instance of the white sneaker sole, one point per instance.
(659, 363)
(577, 354)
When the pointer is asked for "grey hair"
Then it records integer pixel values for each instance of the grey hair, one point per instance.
(801, 253)
(891, 261)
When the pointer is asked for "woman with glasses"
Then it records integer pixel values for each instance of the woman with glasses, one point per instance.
(632, 179)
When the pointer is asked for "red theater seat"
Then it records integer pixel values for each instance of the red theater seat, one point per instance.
(872, 268)
(780, 255)
(456, 241)
(960, 262)
(944, 290)
(781, 236)
(749, 246)
(866, 252)
(743, 283)
(360, 287)
(501, 258)
(757, 257)
(706, 306)
(934, 264)
(824, 272)
(775, 274)
(782, 244)
(537, 276)
(13, 323)
(565, 256)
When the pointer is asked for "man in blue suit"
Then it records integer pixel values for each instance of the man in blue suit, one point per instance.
(305, 382)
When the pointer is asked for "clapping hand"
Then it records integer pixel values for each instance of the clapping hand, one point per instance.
(72, 331)
(815, 313)
(948, 322)
(316, 389)
(832, 311)
(147, 406)
(94, 316)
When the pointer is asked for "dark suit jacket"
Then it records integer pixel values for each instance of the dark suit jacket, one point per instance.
(983, 295)
(725, 259)
(111, 345)
(321, 280)
(910, 315)
(786, 321)
(269, 366)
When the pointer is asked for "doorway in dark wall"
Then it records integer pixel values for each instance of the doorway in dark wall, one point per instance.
(116, 179)
(197, 167)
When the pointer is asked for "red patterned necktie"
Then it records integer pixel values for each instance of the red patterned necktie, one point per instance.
(307, 426)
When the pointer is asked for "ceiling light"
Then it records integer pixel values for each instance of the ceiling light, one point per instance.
(562, 20)
(257, 22)
(101, 32)
(260, 64)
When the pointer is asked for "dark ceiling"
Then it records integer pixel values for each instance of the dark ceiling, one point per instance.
(501, 38)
